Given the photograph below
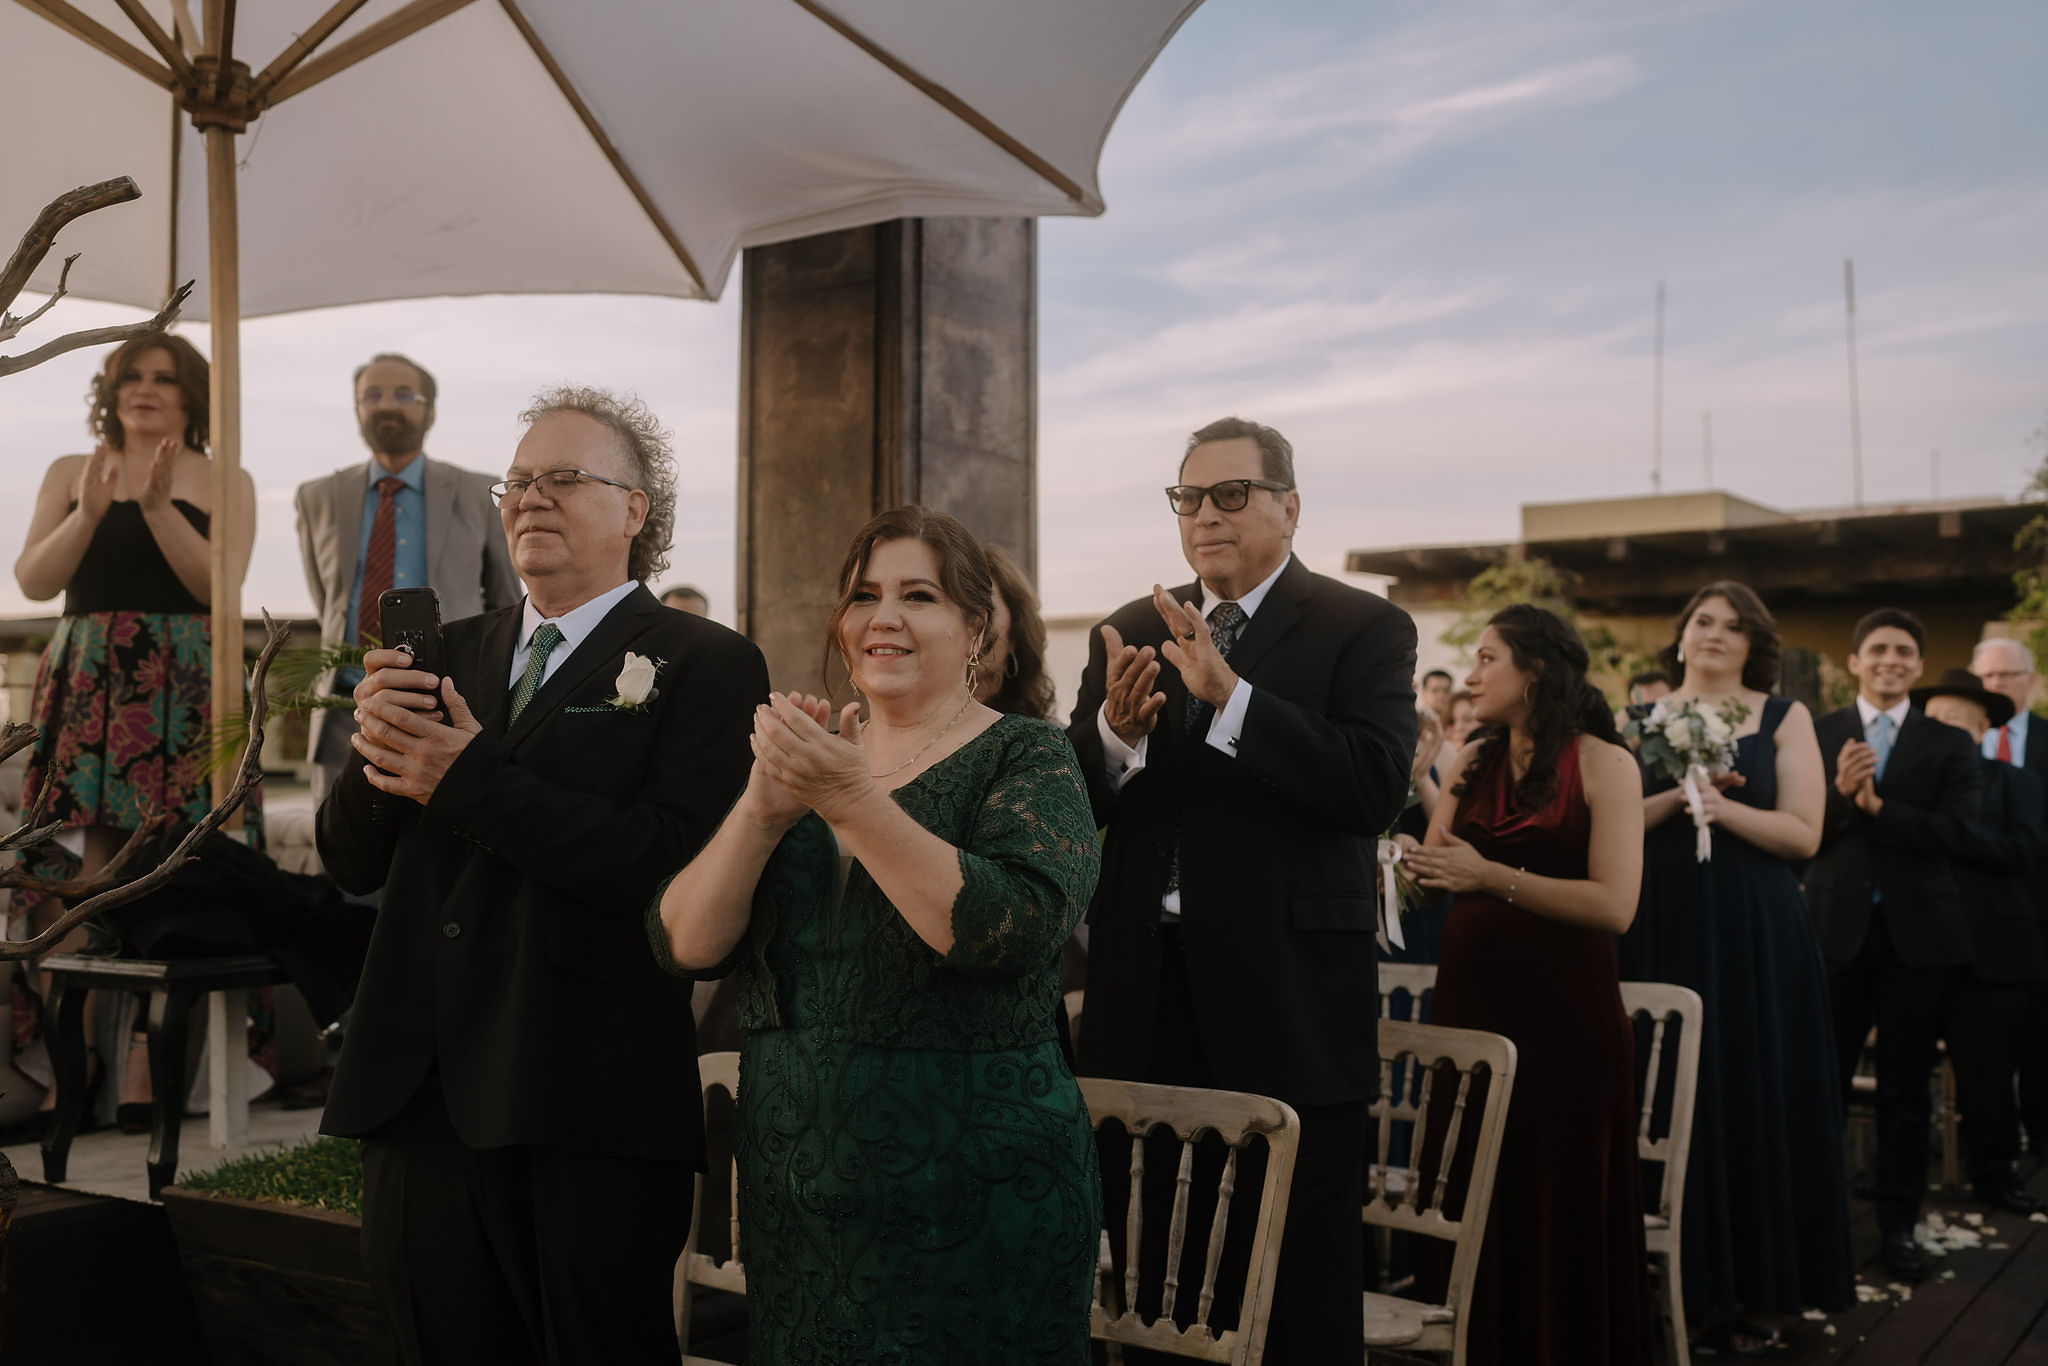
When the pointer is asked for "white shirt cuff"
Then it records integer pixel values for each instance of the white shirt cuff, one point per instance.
(1229, 723)
(1119, 761)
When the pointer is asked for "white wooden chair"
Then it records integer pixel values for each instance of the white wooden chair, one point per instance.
(1398, 1199)
(719, 1071)
(1664, 1003)
(1417, 979)
(1237, 1119)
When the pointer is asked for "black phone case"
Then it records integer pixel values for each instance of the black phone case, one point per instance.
(411, 619)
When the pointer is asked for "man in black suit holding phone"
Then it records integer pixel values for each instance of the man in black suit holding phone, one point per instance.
(1245, 739)
(522, 1075)
(1885, 903)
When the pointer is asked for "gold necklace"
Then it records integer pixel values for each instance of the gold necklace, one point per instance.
(927, 744)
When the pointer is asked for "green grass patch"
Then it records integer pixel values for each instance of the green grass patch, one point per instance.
(324, 1172)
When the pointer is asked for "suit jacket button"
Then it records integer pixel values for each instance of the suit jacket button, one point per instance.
(451, 929)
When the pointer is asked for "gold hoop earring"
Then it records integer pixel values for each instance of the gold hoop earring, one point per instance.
(1528, 700)
(1010, 665)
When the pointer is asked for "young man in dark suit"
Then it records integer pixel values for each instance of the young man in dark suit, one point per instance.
(1997, 855)
(2007, 667)
(522, 1075)
(1246, 738)
(1884, 900)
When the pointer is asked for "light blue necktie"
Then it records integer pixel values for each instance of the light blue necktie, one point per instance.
(1881, 741)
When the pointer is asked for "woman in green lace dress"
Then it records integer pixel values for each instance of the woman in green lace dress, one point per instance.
(917, 1179)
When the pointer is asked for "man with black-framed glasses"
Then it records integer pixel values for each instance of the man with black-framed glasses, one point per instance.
(399, 520)
(1246, 738)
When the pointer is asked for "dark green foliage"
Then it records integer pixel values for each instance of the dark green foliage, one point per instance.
(324, 1172)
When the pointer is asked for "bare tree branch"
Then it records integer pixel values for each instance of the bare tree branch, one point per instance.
(42, 234)
(21, 879)
(11, 326)
(250, 774)
(100, 336)
(15, 737)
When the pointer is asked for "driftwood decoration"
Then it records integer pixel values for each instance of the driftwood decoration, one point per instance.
(99, 892)
(36, 244)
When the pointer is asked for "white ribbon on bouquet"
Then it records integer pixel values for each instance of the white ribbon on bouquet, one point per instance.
(1390, 903)
(1703, 843)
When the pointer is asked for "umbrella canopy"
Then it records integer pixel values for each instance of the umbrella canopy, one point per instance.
(538, 146)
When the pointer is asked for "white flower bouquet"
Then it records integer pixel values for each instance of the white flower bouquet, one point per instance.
(1692, 747)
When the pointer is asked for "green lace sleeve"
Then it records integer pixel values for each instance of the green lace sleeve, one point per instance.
(1029, 866)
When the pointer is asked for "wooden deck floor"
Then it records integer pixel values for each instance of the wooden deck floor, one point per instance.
(1985, 1306)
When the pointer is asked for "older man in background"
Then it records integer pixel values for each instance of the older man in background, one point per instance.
(2007, 668)
(399, 520)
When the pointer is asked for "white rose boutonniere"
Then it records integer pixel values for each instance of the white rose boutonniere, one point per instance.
(635, 683)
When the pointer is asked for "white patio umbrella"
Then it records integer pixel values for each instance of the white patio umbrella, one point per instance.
(440, 147)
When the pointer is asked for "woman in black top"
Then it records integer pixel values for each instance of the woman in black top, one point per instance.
(122, 694)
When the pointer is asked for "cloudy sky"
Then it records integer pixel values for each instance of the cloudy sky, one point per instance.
(1421, 239)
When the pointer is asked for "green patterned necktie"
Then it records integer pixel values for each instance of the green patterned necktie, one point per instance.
(546, 637)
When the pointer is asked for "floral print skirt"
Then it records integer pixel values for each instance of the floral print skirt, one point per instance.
(122, 703)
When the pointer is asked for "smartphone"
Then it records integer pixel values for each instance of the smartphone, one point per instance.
(411, 618)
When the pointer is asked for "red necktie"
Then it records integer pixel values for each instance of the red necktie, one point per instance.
(378, 562)
(2004, 745)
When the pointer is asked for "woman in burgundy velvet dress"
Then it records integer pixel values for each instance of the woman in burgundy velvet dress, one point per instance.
(1542, 846)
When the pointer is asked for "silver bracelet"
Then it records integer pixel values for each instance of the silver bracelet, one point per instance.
(1513, 882)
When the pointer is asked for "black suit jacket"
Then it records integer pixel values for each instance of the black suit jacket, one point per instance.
(1994, 856)
(1276, 845)
(511, 951)
(1930, 789)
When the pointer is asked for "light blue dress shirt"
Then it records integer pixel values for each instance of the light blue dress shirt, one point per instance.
(409, 555)
(2017, 729)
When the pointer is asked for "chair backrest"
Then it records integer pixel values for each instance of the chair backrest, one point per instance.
(1398, 1198)
(1237, 1119)
(1665, 1004)
(717, 1072)
(1416, 979)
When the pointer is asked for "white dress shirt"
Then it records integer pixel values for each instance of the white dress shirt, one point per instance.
(1121, 762)
(575, 626)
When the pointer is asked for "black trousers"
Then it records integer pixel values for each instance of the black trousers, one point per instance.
(2033, 1066)
(1317, 1313)
(1983, 1032)
(520, 1254)
(1906, 1005)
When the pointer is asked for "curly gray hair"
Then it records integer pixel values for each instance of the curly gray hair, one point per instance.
(646, 445)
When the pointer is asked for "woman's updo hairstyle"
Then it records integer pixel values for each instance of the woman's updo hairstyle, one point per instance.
(964, 574)
(1562, 704)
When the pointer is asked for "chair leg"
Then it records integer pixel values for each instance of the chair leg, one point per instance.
(169, 1016)
(1679, 1351)
(64, 1028)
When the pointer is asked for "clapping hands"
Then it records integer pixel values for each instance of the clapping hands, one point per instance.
(799, 765)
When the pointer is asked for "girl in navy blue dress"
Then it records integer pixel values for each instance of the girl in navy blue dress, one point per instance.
(1766, 1227)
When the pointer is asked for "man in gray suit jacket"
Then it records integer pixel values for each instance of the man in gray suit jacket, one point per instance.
(400, 520)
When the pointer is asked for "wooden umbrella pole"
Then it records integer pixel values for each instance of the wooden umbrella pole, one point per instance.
(225, 302)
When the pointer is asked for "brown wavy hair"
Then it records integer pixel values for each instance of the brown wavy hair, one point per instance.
(1760, 671)
(963, 570)
(1027, 688)
(194, 382)
(1562, 704)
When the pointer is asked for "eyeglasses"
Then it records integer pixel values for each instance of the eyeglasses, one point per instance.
(2002, 674)
(553, 483)
(1229, 496)
(404, 398)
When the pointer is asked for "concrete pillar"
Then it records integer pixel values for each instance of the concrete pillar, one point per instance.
(879, 366)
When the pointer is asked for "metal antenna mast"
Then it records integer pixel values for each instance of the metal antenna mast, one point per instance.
(1855, 400)
(1657, 404)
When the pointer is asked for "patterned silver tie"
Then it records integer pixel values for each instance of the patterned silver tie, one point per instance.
(546, 637)
(1226, 619)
